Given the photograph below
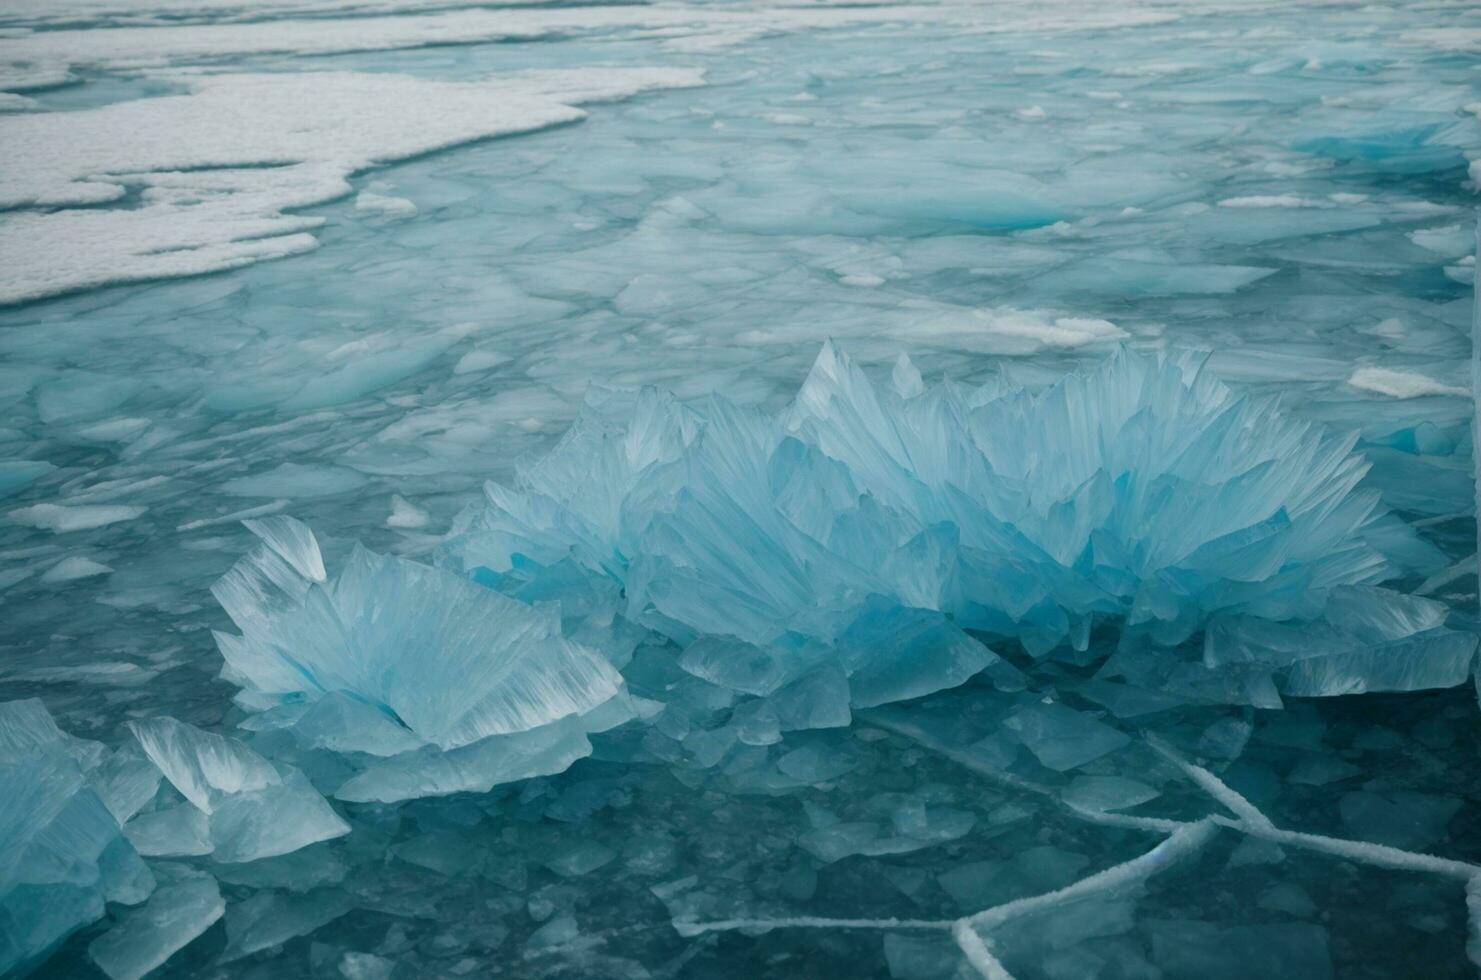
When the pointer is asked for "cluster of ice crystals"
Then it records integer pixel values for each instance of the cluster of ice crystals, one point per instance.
(62, 854)
(868, 527)
(432, 683)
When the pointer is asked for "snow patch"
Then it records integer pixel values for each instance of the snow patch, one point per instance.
(259, 146)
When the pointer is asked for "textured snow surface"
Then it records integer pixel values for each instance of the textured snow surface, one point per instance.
(259, 145)
(730, 490)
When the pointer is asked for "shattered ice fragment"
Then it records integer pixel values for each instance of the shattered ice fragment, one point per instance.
(28, 729)
(728, 662)
(148, 936)
(1288, 897)
(580, 859)
(291, 541)
(474, 768)
(207, 769)
(76, 517)
(269, 919)
(1062, 738)
(342, 723)
(74, 568)
(1101, 793)
(898, 654)
(62, 854)
(126, 781)
(818, 763)
(500, 666)
(366, 966)
(253, 809)
(1365, 640)
(841, 840)
(406, 515)
(275, 820)
(1403, 384)
(1450, 241)
(559, 931)
(384, 204)
(177, 831)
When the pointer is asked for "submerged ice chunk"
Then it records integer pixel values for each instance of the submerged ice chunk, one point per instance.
(146, 937)
(1217, 952)
(1062, 738)
(1103, 793)
(269, 918)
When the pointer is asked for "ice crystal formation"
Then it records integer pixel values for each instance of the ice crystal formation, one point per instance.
(866, 530)
(758, 574)
(439, 686)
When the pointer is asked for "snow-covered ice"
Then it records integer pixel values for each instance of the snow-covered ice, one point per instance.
(218, 200)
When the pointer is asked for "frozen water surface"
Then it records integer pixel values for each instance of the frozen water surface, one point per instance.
(728, 490)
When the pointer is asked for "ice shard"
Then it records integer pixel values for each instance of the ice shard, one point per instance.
(146, 937)
(252, 808)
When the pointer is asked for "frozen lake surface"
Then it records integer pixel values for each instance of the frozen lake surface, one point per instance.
(809, 660)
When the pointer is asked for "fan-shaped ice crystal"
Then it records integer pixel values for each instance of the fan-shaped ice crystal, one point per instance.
(392, 658)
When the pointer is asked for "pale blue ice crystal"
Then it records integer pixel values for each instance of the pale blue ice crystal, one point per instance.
(407, 668)
(245, 807)
(62, 854)
(870, 526)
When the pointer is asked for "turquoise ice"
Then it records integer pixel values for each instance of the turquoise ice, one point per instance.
(737, 489)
